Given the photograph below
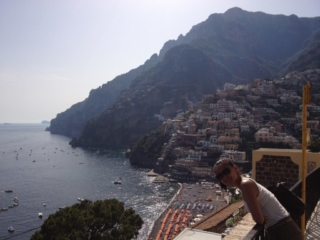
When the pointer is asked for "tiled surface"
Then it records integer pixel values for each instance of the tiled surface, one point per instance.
(313, 225)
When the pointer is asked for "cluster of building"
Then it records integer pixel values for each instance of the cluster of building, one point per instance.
(214, 127)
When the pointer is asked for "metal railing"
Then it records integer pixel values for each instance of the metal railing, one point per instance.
(312, 198)
(312, 193)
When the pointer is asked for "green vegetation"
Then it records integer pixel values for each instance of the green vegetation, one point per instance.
(236, 198)
(103, 219)
(146, 151)
(152, 143)
(72, 121)
(314, 145)
(307, 57)
(227, 47)
(230, 222)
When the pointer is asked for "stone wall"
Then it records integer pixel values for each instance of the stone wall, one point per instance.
(273, 169)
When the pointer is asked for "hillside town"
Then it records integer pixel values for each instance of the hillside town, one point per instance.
(235, 120)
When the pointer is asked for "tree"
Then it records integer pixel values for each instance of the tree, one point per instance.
(314, 145)
(100, 220)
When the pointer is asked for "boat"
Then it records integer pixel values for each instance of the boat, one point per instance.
(16, 199)
(162, 195)
(118, 181)
(8, 191)
(10, 229)
(15, 204)
(44, 204)
(172, 180)
(40, 214)
(119, 188)
(61, 207)
(80, 199)
(4, 209)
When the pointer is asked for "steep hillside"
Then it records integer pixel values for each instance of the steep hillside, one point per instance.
(72, 121)
(164, 90)
(308, 57)
(252, 44)
(238, 46)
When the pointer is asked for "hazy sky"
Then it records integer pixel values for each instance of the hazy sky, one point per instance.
(52, 53)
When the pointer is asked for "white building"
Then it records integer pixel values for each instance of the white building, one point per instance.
(263, 135)
(235, 156)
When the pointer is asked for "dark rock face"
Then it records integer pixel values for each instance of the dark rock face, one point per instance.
(141, 160)
(146, 151)
(124, 123)
(162, 90)
(233, 47)
(308, 57)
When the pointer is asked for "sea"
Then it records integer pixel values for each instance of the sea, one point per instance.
(45, 173)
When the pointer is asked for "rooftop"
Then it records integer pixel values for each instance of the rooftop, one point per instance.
(217, 217)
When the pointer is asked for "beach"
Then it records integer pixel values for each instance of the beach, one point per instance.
(193, 202)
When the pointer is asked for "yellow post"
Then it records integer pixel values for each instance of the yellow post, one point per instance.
(306, 100)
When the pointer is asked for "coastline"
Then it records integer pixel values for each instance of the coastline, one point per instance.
(191, 203)
(156, 224)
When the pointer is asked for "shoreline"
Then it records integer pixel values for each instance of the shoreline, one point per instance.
(191, 203)
(161, 216)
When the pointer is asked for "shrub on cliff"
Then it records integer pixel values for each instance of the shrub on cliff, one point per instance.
(151, 144)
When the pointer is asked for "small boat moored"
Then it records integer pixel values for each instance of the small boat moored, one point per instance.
(162, 195)
(10, 229)
(40, 214)
(80, 199)
(118, 181)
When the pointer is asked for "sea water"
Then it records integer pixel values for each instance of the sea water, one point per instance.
(43, 169)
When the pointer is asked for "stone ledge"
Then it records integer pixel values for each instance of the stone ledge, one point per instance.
(242, 229)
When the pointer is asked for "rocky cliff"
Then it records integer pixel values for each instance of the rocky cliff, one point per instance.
(72, 121)
(308, 57)
(157, 91)
(235, 47)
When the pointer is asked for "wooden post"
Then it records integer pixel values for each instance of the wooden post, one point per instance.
(306, 100)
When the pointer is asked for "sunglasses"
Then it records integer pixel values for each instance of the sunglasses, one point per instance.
(225, 172)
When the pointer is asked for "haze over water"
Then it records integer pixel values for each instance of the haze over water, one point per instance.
(42, 168)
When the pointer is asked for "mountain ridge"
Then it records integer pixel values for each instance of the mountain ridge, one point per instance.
(238, 46)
